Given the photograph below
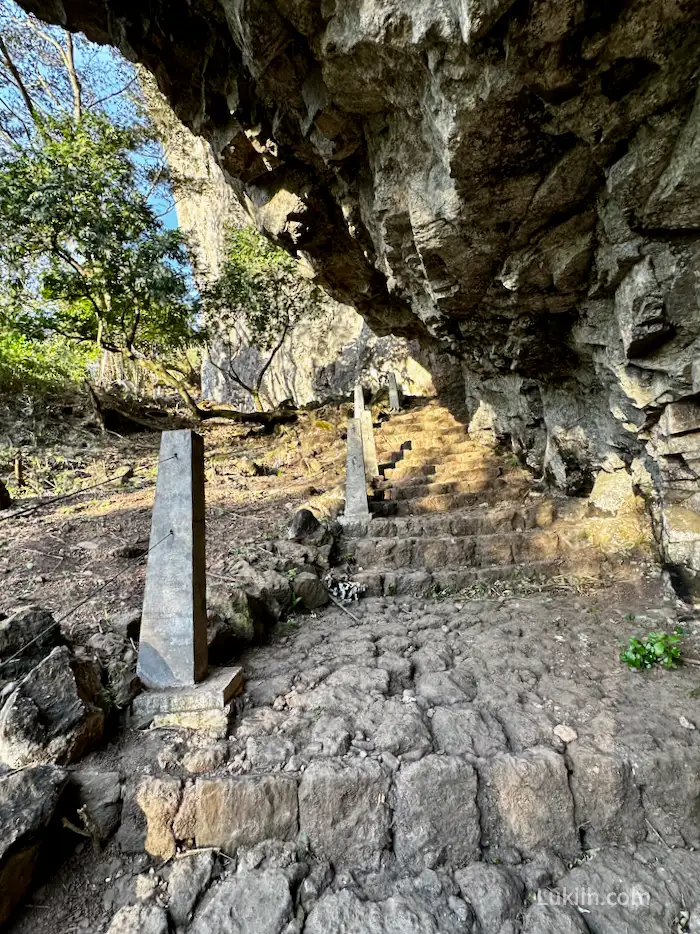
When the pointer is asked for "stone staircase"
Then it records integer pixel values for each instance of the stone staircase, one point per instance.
(449, 514)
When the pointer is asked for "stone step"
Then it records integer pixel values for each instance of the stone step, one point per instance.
(435, 455)
(412, 491)
(453, 474)
(506, 517)
(404, 470)
(500, 548)
(388, 582)
(427, 433)
(447, 502)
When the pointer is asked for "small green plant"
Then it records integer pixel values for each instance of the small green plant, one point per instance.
(656, 648)
(292, 574)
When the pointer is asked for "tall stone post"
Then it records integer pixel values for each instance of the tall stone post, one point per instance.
(369, 448)
(394, 400)
(356, 506)
(359, 400)
(173, 642)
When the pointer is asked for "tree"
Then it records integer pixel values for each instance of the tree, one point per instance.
(82, 253)
(260, 288)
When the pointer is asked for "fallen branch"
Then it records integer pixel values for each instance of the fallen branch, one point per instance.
(344, 608)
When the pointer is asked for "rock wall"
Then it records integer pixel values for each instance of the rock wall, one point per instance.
(513, 181)
(320, 360)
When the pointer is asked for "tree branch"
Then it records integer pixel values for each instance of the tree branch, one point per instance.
(17, 78)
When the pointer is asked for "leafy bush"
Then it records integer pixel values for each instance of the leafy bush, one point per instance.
(656, 648)
(40, 366)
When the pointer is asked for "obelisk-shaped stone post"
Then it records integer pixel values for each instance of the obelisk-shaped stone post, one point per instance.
(369, 448)
(356, 505)
(394, 400)
(359, 400)
(173, 642)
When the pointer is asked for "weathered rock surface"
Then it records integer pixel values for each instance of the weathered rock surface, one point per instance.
(344, 809)
(249, 903)
(188, 879)
(53, 715)
(528, 802)
(18, 630)
(28, 799)
(515, 186)
(98, 802)
(139, 919)
(436, 819)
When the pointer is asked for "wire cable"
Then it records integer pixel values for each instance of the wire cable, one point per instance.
(81, 603)
(93, 486)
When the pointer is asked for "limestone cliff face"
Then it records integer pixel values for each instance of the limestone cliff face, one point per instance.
(516, 182)
(319, 360)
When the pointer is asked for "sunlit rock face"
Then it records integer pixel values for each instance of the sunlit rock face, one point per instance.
(517, 183)
(321, 359)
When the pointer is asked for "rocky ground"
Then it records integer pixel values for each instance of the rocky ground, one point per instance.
(439, 763)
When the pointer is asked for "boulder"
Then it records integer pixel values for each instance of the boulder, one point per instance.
(188, 879)
(233, 812)
(495, 893)
(248, 607)
(159, 800)
(310, 590)
(53, 715)
(28, 800)
(306, 528)
(5, 498)
(21, 628)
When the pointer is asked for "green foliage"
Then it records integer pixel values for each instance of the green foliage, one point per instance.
(40, 366)
(82, 253)
(656, 648)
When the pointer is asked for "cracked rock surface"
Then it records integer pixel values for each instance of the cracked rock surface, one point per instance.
(378, 808)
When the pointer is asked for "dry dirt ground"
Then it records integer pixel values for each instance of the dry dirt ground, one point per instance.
(407, 702)
(60, 553)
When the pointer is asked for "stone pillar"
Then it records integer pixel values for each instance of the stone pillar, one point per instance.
(173, 642)
(394, 401)
(369, 448)
(359, 400)
(356, 506)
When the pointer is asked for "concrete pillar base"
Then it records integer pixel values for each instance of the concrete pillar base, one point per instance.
(204, 705)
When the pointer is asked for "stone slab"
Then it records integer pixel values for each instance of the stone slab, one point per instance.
(219, 688)
(394, 400)
(173, 643)
(356, 505)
